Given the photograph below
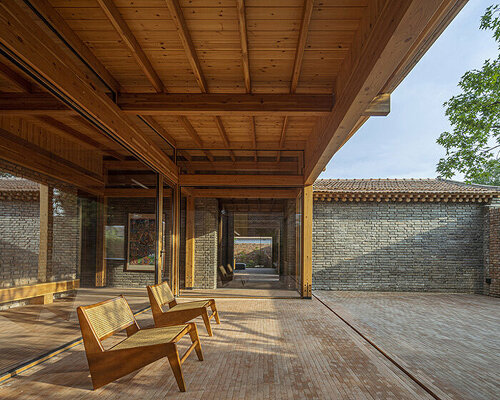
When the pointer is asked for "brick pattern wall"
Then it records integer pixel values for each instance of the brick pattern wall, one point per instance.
(19, 242)
(493, 264)
(398, 246)
(20, 232)
(206, 232)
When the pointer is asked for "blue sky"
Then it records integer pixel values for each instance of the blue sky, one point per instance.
(403, 144)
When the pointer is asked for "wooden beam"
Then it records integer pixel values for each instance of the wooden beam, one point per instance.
(130, 192)
(68, 132)
(15, 78)
(63, 29)
(223, 135)
(241, 180)
(40, 289)
(194, 135)
(190, 242)
(242, 24)
(100, 267)
(222, 104)
(307, 242)
(248, 166)
(130, 41)
(394, 33)
(46, 231)
(216, 104)
(27, 42)
(380, 106)
(187, 43)
(26, 154)
(159, 229)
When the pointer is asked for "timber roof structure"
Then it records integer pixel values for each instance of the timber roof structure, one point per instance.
(200, 90)
(419, 190)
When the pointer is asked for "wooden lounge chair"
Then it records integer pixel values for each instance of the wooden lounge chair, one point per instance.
(140, 348)
(160, 294)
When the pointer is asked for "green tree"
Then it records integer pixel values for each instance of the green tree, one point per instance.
(473, 146)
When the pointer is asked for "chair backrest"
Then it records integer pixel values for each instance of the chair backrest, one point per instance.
(108, 317)
(162, 293)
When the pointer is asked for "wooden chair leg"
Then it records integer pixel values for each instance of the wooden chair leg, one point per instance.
(215, 312)
(193, 333)
(175, 363)
(206, 320)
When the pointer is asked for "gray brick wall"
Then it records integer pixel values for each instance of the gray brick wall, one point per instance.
(206, 232)
(398, 246)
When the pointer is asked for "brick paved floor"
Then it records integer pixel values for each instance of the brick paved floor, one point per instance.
(449, 341)
(263, 349)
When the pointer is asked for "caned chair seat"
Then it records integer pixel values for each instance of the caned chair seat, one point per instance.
(102, 320)
(150, 337)
(189, 305)
(179, 313)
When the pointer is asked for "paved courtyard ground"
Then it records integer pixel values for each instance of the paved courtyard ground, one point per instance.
(451, 342)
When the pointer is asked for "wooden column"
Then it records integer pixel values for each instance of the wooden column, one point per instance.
(176, 218)
(100, 268)
(159, 228)
(298, 240)
(46, 230)
(306, 250)
(190, 242)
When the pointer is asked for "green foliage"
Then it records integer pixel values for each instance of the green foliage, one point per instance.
(473, 147)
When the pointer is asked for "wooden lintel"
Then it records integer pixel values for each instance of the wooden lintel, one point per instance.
(222, 193)
(380, 106)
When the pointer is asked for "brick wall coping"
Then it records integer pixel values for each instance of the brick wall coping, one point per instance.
(402, 190)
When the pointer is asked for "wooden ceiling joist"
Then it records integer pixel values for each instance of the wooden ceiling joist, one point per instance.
(247, 193)
(130, 41)
(159, 129)
(223, 135)
(242, 24)
(28, 43)
(194, 135)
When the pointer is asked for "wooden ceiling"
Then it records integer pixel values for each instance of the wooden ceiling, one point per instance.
(235, 86)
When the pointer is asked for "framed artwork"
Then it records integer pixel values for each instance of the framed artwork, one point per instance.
(141, 242)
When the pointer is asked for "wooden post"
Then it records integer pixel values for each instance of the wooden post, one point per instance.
(298, 239)
(159, 228)
(306, 251)
(46, 229)
(190, 242)
(100, 268)
(176, 217)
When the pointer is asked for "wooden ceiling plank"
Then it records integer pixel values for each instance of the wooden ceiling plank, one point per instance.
(60, 25)
(15, 78)
(130, 41)
(398, 26)
(44, 57)
(187, 43)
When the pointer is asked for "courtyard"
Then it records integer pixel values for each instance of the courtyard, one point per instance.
(294, 349)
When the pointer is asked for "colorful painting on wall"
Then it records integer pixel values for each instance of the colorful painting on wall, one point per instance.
(141, 242)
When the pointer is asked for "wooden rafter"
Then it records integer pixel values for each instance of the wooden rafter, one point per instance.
(130, 41)
(223, 135)
(42, 56)
(60, 25)
(159, 129)
(194, 135)
(187, 43)
(242, 23)
(297, 64)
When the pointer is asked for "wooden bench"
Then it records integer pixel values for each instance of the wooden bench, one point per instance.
(160, 294)
(140, 348)
(39, 293)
